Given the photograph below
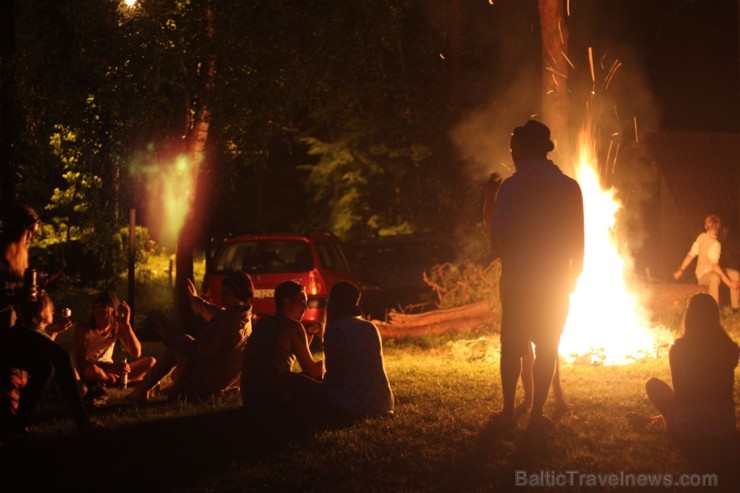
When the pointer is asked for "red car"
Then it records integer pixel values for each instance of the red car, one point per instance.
(316, 261)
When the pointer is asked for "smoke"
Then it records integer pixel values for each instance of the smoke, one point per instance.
(619, 102)
(482, 137)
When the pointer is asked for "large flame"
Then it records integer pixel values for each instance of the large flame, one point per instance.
(607, 323)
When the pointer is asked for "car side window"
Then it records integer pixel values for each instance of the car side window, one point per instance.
(330, 257)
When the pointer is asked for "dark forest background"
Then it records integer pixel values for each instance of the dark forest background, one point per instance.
(360, 118)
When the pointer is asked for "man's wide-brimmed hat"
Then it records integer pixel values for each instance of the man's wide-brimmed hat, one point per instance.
(534, 134)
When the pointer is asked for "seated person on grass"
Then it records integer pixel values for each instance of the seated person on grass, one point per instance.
(28, 359)
(355, 380)
(700, 406)
(95, 340)
(211, 363)
(268, 383)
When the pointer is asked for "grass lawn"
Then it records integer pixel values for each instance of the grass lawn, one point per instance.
(440, 440)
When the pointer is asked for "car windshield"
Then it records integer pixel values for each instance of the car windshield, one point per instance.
(264, 257)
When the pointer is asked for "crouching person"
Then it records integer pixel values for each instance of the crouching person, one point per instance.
(211, 363)
(268, 383)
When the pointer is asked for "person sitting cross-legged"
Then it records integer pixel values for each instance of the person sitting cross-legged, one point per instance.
(700, 406)
(210, 364)
(95, 341)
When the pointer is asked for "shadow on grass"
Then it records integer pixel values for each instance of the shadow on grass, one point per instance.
(486, 463)
(156, 455)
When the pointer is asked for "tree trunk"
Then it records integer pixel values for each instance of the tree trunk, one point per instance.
(196, 140)
(555, 67)
(7, 114)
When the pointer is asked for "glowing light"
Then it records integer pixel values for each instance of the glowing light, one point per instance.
(130, 3)
(176, 186)
(607, 323)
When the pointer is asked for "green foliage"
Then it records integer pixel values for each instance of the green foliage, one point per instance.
(74, 205)
(336, 108)
(458, 285)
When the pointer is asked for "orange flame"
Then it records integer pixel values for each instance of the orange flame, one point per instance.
(607, 323)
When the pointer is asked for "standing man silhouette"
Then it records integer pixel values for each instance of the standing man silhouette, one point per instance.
(537, 229)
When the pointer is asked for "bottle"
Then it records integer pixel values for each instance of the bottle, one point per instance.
(124, 375)
(30, 285)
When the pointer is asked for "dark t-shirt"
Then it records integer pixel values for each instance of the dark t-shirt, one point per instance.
(266, 362)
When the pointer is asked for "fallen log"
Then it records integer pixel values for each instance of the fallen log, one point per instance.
(451, 320)
(669, 298)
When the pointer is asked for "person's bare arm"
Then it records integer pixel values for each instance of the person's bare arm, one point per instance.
(200, 306)
(299, 347)
(126, 332)
(728, 282)
(684, 265)
(57, 328)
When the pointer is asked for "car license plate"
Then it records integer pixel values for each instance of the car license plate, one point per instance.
(264, 293)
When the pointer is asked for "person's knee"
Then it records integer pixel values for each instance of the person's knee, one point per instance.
(514, 348)
(92, 373)
(654, 385)
(149, 361)
(510, 357)
(546, 354)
